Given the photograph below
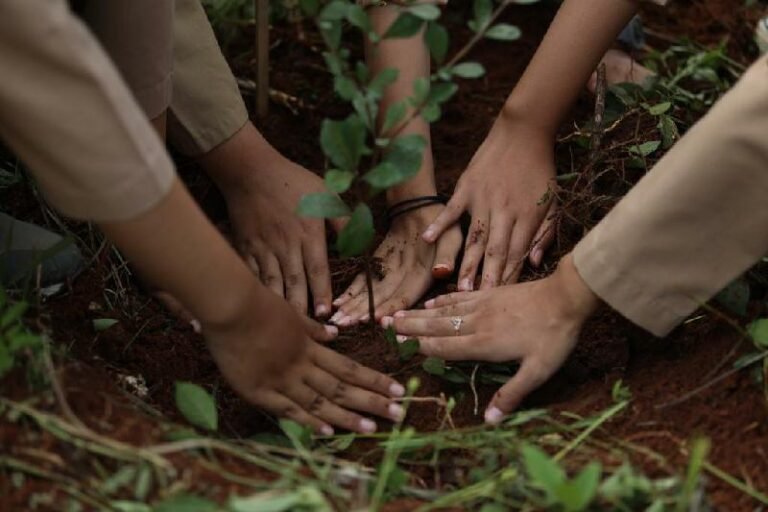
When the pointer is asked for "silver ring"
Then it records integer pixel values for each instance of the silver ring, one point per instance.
(456, 322)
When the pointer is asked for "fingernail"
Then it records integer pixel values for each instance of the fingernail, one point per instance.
(321, 310)
(396, 412)
(337, 302)
(367, 426)
(397, 390)
(429, 304)
(326, 430)
(429, 234)
(493, 416)
(400, 314)
(387, 321)
(466, 285)
(401, 339)
(336, 316)
(332, 330)
(441, 271)
(365, 317)
(196, 326)
(536, 256)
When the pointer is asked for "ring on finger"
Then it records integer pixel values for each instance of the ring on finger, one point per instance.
(456, 322)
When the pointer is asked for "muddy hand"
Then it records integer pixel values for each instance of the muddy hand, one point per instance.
(536, 323)
(502, 189)
(408, 264)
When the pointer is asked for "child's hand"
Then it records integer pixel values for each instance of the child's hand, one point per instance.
(271, 357)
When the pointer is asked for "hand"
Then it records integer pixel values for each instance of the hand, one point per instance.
(408, 264)
(537, 323)
(273, 359)
(502, 189)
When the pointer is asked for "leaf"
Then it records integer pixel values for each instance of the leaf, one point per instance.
(338, 181)
(660, 108)
(427, 12)
(394, 116)
(442, 92)
(407, 349)
(300, 435)
(758, 331)
(646, 148)
(357, 17)
(345, 87)
(482, 10)
(306, 498)
(186, 503)
(310, 7)
(669, 131)
(406, 25)
(421, 88)
(197, 405)
(579, 492)
(542, 470)
(382, 80)
(102, 324)
(436, 37)
(331, 32)
(6, 360)
(401, 162)
(735, 297)
(344, 141)
(503, 32)
(431, 112)
(13, 314)
(335, 11)
(468, 70)
(434, 366)
(322, 205)
(358, 234)
(390, 336)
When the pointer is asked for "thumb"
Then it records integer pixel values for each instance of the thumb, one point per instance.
(529, 377)
(318, 331)
(447, 217)
(448, 247)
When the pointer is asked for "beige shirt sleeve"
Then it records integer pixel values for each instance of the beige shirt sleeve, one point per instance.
(65, 111)
(695, 222)
(207, 108)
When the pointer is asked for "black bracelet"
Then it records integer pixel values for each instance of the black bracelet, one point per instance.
(415, 203)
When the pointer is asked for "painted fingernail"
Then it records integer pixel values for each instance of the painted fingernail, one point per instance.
(429, 233)
(387, 321)
(465, 285)
(396, 412)
(196, 326)
(441, 271)
(493, 416)
(401, 338)
(429, 304)
(400, 314)
(397, 390)
(321, 310)
(332, 330)
(367, 426)
(326, 430)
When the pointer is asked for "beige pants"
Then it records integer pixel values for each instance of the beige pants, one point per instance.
(695, 222)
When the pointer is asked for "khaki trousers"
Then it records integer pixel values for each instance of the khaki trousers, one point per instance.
(695, 222)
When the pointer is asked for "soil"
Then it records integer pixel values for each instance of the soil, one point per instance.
(149, 342)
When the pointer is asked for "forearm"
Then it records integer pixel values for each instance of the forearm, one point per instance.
(579, 36)
(177, 249)
(411, 57)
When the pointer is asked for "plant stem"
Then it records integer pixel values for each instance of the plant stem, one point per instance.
(369, 285)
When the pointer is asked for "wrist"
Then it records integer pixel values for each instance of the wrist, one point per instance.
(517, 116)
(579, 301)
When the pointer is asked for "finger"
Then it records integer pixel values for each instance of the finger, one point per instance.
(433, 325)
(452, 348)
(178, 310)
(518, 249)
(530, 376)
(295, 280)
(319, 274)
(449, 298)
(338, 223)
(352, 291)
(462, 308)
(496, 251)
(251, 262)
(358, 308)
(318, 331)
(473, 252)
(544, 236)
(411, 288)
(448, 217)
(269, 268)
(320, 406)
(448, 247)
(353, 397)
(283, 407)
(354, 373)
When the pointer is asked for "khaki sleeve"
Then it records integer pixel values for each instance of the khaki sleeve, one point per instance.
(207, 108)
(65, 111)
(695, 222)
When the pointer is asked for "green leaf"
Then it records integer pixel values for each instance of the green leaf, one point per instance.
(13, 314)
(542, 470)
(344, 141)
(646, 148)
(661, 108)
(357, 235)
(382, 80)
(442, 92)
(304, 499)
(427, 12)
(331, 32)
(6, 360)
(758, 331)
(390, 336)
(482, 10)
(407, 349)
(431, 112)
(434, 366)
(735, 297)
(299, 435)
(436, 37)
(669, 131)
(394, 116)
(338, 181)
(406, 25)
(357, 17)
(186, 503)
(335, 11)
(503, 32)
(322, 205)
(345, 87)
(102, 324)
(421, 88)
(401, 162)
(468, 70)
(310, 7)
(577, 494)
(197, 405)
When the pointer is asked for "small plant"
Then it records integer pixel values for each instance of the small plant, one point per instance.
(15, 340)
(197, 405)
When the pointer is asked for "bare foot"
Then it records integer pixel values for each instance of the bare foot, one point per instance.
(620, 68)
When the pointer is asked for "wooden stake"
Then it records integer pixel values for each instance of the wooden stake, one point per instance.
(262, 57)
